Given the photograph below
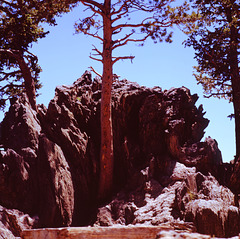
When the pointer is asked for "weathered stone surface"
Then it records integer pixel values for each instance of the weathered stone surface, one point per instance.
(213, 217)
(183, 235)
(13, 222)
(114, 232)
(16, 185)
(20, 128)
(189, 197)
(97, 232)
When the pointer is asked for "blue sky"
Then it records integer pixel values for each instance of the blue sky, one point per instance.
(64, 57)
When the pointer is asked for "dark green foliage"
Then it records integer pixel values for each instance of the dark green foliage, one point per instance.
(212, 39)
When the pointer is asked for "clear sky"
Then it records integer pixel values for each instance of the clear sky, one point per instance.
(64, 57)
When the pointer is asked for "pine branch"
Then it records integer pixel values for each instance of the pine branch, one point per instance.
(130, 40)
(144, 23)
(96, 59)
(122, 58)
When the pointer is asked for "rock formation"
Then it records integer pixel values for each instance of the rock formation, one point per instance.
(163, 172)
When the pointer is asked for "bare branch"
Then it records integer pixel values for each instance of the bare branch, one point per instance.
(30, 53)
(93, 35)
(122, 58)
(93, 3)
(119, 16)
(92, 8)
(93, 70)
(117, 31)
(127, 25)
(122, 41)
(96, 59)
(129, 4)
(155, 23)
(121, 8)
(132, 40)
(98, 52)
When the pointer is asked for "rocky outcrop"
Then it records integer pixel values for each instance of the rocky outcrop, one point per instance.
(50, 163)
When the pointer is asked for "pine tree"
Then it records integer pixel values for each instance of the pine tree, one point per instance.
(110, 22)
(215, 37)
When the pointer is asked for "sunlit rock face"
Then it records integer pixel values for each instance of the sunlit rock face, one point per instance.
(163, 172)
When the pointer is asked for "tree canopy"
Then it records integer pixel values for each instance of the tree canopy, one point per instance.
(212, 39)
(20, 26)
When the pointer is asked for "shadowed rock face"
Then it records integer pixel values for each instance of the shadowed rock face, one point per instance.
(50, 163)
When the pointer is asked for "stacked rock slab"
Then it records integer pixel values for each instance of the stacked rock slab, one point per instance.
(163, 172)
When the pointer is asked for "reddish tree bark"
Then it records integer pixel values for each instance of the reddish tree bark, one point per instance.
(106, 162)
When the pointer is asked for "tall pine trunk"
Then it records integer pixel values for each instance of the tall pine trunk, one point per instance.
(106, 161)
(235, 76)
(236, 94)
